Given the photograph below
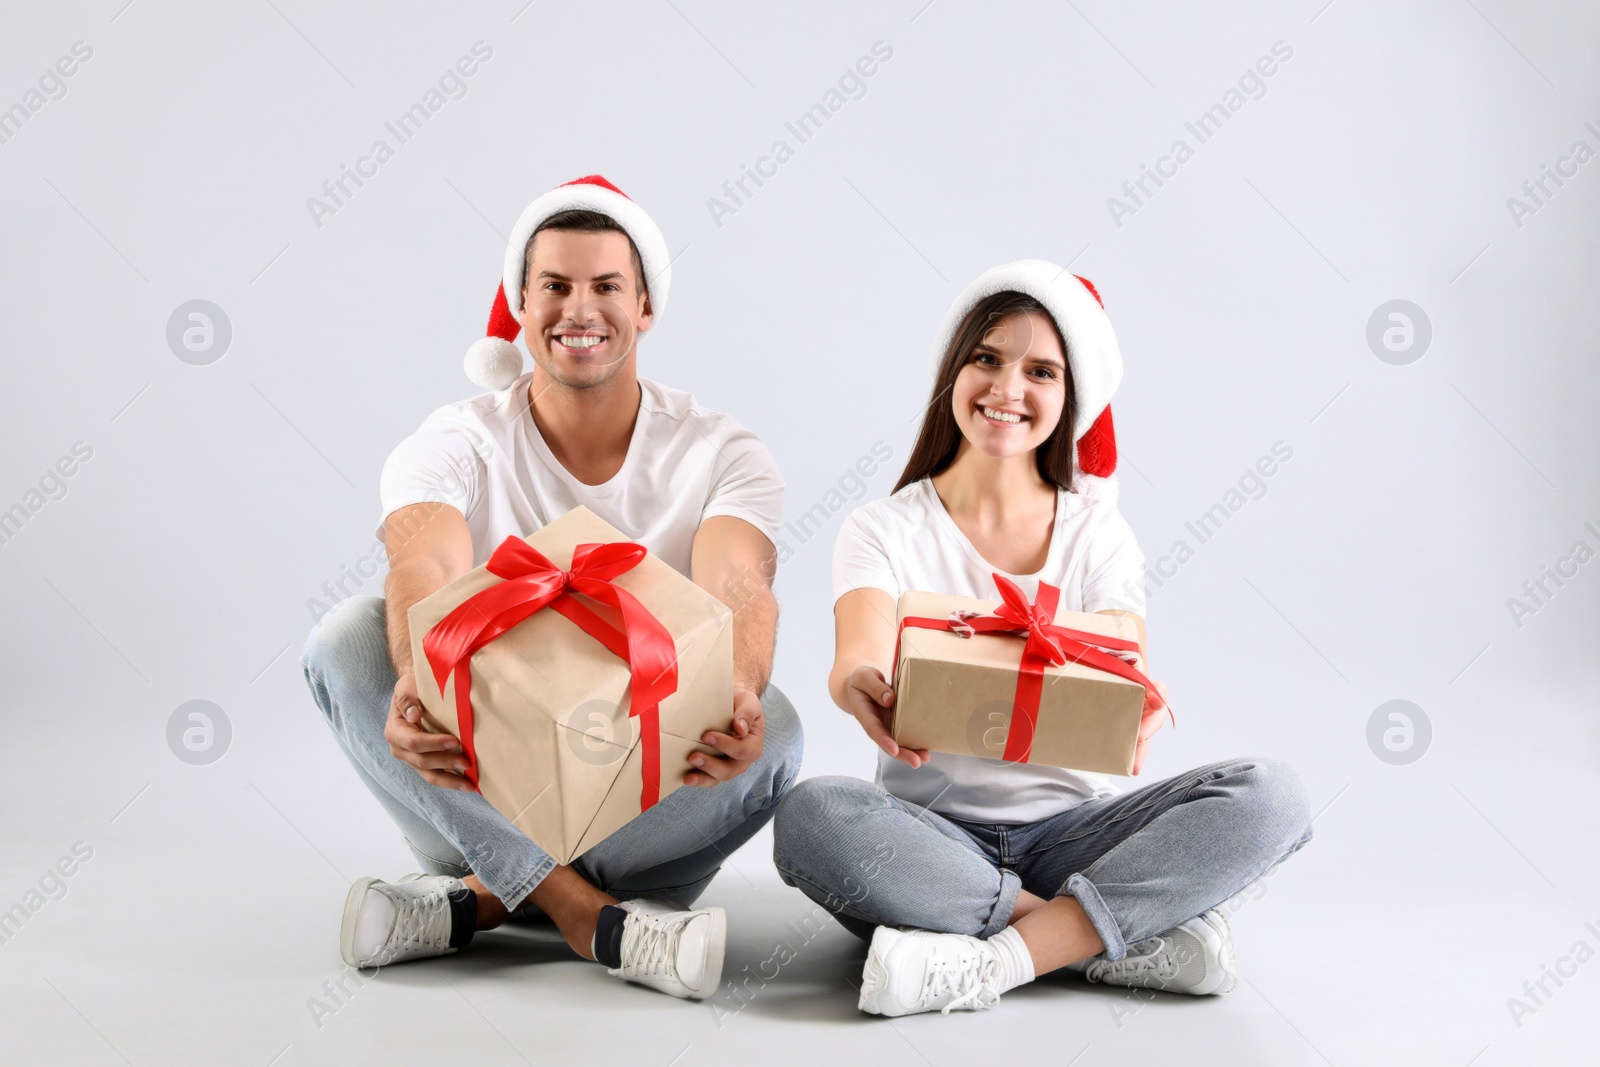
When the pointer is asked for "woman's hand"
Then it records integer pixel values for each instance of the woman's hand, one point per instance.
(1153, 719)
(870, 699)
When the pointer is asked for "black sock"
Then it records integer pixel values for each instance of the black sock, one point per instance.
(608, 936)
(463, 916)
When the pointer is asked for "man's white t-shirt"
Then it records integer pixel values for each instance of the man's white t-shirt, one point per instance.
(685, 464)
(909, 542)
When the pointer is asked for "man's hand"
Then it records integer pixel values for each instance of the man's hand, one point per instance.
(437, 757)
(739, 749)
(1153, 719)
(869, 699)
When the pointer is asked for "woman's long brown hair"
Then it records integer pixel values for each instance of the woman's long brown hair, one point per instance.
(940, 437)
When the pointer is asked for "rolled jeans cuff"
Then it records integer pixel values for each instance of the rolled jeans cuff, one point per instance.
(1094, 906)
(512, 882)
(1004, 905)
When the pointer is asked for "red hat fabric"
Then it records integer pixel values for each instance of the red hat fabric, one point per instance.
(494, 362)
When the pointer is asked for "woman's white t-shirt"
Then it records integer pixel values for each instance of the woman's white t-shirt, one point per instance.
(909, 542)
(685, 464)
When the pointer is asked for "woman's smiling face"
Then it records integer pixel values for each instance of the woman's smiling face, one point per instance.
(1009, 394)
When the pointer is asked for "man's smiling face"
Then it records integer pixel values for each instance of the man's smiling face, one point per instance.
(583, 307)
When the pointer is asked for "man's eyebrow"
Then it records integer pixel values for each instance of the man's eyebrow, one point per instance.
(606, 277)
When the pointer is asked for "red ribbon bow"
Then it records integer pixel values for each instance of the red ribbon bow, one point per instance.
(1046, 643)
(532, 583)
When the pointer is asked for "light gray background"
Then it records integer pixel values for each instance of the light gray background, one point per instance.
(1377, 566)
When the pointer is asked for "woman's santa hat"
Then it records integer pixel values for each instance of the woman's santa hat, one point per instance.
(495, 361)
(1093, 357)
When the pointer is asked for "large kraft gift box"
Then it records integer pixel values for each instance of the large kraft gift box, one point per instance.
(555, 746)
(958, 694)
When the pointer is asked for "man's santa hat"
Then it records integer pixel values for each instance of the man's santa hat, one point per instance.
(1093, 357)
(495, 361)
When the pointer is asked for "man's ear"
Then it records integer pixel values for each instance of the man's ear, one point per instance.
(647, 314)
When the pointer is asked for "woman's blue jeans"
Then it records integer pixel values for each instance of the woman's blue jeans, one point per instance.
(1139, 863)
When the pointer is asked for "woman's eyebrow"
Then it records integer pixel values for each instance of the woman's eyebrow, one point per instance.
(1049, 361)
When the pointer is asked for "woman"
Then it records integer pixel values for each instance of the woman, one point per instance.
(971, 876)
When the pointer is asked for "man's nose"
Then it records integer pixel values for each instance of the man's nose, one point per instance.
(578, 307)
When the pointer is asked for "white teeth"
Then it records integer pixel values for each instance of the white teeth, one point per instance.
(1002, 416)
(580, 342)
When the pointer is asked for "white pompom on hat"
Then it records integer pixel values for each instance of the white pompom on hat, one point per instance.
(1093, 357)
(494, 362)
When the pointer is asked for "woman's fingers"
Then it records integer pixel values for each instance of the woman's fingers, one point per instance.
(1138, 756)
(870, 683)
(872, 722)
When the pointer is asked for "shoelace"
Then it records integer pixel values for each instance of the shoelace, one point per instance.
(1154, 958)
(648, 941)
(971, 978)
(423, 919)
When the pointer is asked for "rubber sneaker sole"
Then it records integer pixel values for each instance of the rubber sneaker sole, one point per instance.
(874, 975)
(716, 947)
(1227, 965)
(352, 910)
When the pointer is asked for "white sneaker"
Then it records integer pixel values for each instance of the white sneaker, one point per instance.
(1194, 957)
(908, 971)
(391, 922)
(668, 947)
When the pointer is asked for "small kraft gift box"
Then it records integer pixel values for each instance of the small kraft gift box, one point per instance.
(1018, 682)
(579, 673)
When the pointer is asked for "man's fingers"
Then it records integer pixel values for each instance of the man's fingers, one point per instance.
(717, 767)
(405, 735)
(438, 762)
(740, 748)
(447, 781)
(422, 741)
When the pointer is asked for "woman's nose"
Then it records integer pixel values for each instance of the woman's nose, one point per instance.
(1008, 383)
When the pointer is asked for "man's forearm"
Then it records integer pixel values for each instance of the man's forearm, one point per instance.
(403, 588)
(755, 631)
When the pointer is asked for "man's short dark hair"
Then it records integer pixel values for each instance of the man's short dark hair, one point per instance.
(580, 220)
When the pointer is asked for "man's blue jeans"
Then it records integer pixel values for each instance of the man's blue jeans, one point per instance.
(670, 852)
(1139, 863)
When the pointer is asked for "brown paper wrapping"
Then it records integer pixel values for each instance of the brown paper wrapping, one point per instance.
(954, 694)
(558, 753)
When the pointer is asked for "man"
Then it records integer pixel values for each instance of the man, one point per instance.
(586, 274)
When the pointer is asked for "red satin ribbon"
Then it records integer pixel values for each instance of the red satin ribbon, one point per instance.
(532, 583)
(1047, 644)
